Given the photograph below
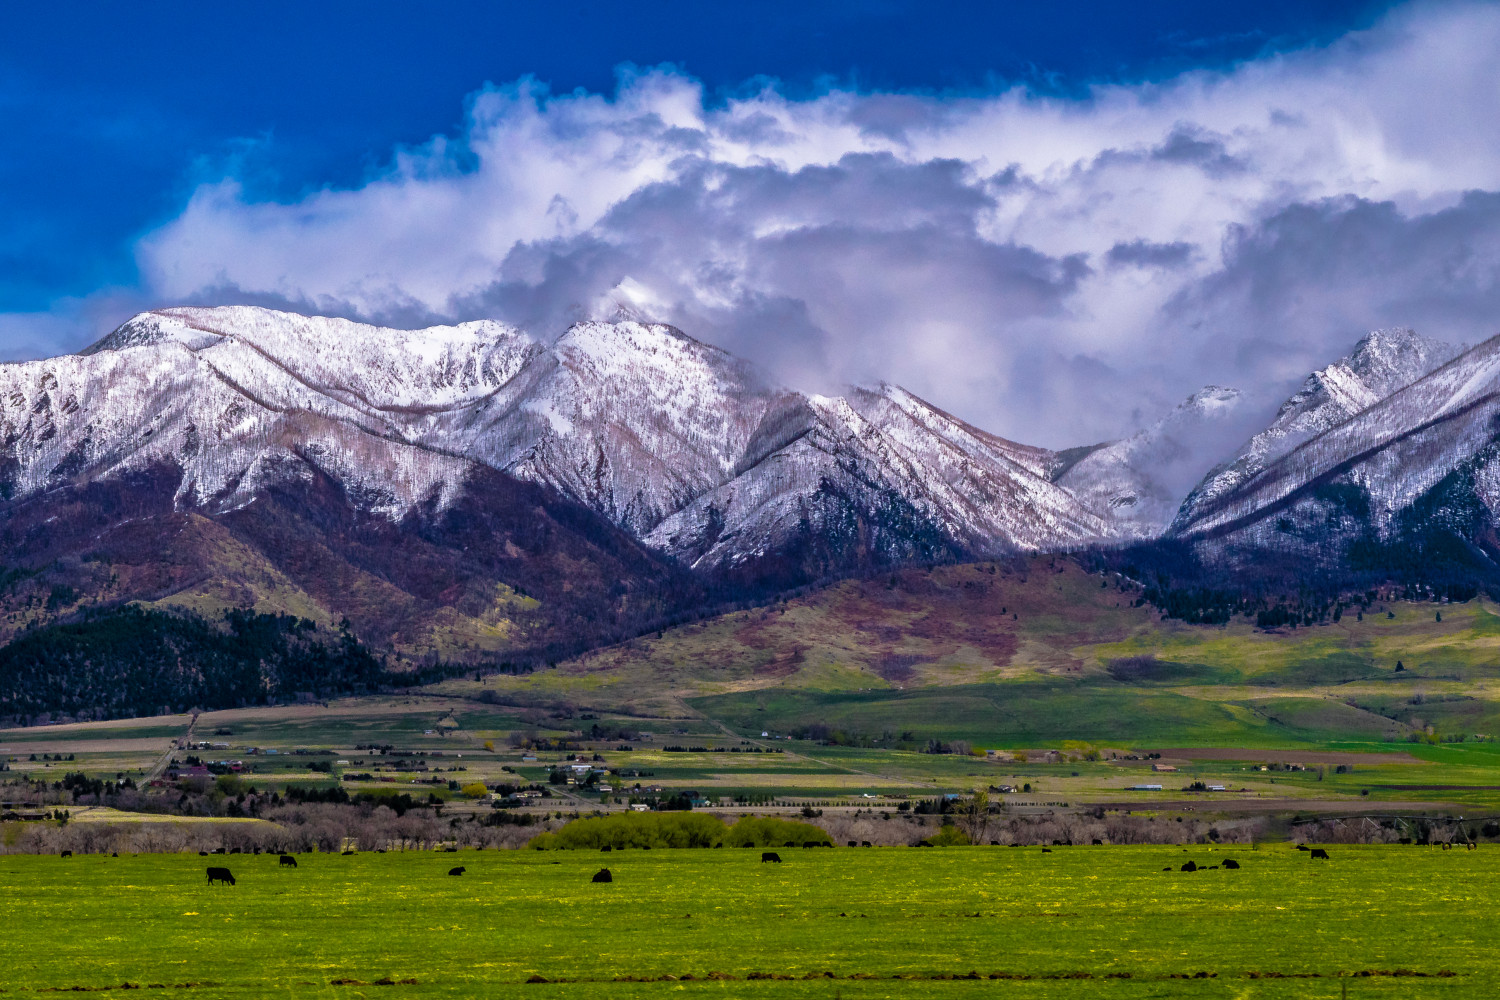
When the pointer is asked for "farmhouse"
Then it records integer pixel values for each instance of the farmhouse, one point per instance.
(1144, 788)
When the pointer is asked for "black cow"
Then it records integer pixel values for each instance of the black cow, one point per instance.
(66, 854)
(347, 853)
(1188, 867)
(770, 856)
(1046, 850)
(603, 875)
(864, 843)
(220, 875)
(606, 848)
(1318, 852)
(853, 844)
(287, 861)
(456, 871)
(202, 854)
(1231, 863)
(1302, 847)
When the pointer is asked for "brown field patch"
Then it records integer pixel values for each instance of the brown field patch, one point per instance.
(1289, 756)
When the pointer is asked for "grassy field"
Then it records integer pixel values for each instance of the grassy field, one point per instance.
(882, 922)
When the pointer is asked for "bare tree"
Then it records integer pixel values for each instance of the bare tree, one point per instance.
(973, 815)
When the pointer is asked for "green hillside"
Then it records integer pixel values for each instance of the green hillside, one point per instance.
(1040, 651)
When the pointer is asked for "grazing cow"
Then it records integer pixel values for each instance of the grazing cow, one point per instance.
(853, 844)
(220, 875)
(603, 875)
(202, 854)
(218, 850)
(1188, 867)
(456, 871)
(769, 856)
(1318, 852)
(864, 843)
(347, 853)
(811, 843)
(1098, 842)
(1302, 847)
(1046, 850)
(287, 861)
(66, 854)
(1231, 863)
(606, 848)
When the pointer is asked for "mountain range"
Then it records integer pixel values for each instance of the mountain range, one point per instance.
(463, 492)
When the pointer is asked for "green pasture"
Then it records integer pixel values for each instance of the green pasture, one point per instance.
(1046, 712)
(883, 922)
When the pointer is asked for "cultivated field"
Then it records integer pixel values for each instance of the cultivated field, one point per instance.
(882, 922)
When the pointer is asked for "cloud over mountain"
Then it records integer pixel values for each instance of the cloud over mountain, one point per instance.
(1047, 268)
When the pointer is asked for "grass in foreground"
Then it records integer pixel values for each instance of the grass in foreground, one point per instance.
(882, 913)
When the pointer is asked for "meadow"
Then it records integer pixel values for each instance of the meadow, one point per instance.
(848, 923)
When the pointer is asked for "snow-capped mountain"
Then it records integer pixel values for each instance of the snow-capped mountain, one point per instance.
(1139, 481)
(1418, 459)
(671, 439)
(1381, 363)
(880, 462)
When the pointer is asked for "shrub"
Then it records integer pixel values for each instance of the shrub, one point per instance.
(768, 831)
(676, 829)
(949, 836)
(476, 790)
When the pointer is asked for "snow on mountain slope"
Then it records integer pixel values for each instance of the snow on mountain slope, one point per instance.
(1393, 451)
(879, 457)
(1139, 481)
(1381, 363)
(635, 420)
(670, 438)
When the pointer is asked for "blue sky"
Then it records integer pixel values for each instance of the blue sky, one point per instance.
(1010, 208)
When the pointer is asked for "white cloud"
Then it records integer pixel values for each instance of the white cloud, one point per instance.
(1052, 270)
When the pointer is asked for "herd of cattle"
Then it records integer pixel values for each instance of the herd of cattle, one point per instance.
(223, 877)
